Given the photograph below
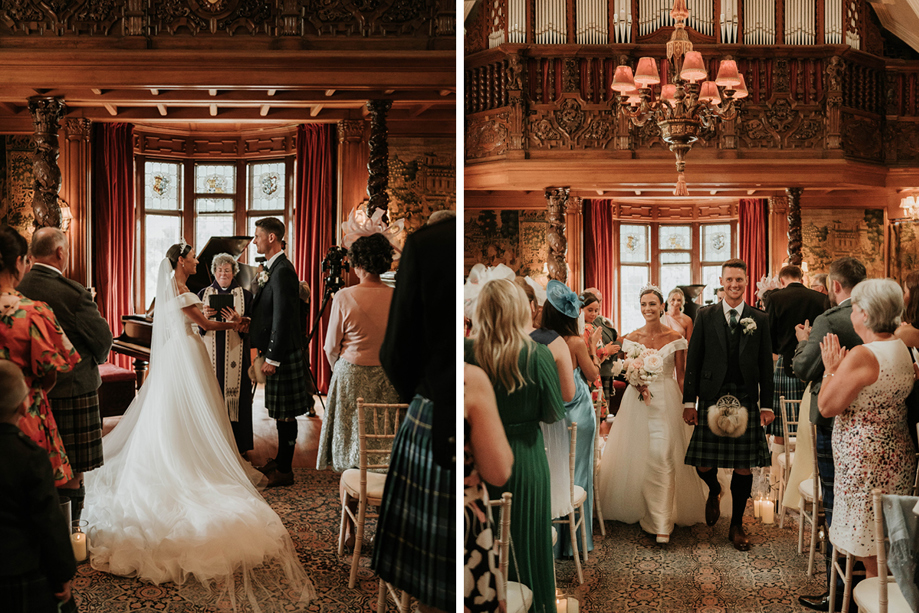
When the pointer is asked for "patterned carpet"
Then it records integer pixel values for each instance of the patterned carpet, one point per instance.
(699, 571)
(311, 510)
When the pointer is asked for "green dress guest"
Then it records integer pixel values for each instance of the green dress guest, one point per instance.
(534, 399)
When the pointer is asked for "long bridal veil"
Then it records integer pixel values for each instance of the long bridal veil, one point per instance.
(174, 501)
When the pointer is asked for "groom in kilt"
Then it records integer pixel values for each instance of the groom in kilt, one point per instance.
(729, 357)
(276, 333)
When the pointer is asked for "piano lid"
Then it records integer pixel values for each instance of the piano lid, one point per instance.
(235, 246)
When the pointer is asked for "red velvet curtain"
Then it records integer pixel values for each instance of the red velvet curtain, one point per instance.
(599, 257)
(314, 227)
(753, 249)
(113, 224)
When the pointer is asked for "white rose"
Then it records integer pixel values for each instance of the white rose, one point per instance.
(654, 363)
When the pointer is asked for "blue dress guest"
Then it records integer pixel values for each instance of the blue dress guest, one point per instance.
(229, 350)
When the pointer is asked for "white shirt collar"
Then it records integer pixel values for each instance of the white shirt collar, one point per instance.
(726, 308)
(270, 263)
(48, 266)
(843, 303)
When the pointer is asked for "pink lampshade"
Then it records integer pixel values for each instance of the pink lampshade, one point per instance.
(622, 80)
(740, 91)
(634, 97)
(727, 74)
(709, 93)
(667, 94)
(647, 74)
(693, 67)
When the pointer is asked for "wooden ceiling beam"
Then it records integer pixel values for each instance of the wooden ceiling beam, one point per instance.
(162, 109)
(111, 108)
(315, 110)
(12, 109)
(202, 115)
(263, 110)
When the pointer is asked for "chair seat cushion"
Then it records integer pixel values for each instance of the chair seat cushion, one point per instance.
(351, 480)
(806, 489)
(519, 597)
(554, 535)
(791, 459)
(579, 496)
(866, 596)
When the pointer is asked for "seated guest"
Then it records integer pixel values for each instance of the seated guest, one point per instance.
(526, 388)
(908, 332)
(31, 338)
(865, 388)
(357, 325)
(230, 350)
(36, 559)
(74, 399)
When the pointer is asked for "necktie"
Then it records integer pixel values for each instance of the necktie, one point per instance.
(733, 321)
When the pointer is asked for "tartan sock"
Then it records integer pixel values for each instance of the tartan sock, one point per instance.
(711, 480)
(287, 442)
(741, 486)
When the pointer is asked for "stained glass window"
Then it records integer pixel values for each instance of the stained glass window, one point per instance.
(633, 279)
(267, 186)
(711, 277)
(162, 185)
(675, 237)
(215, 178)
(716, 242)
(633, 244)
(676, 269)
(214, 205)
(207, 226)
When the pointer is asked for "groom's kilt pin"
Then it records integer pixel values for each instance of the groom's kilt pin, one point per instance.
(790, 387)
(286, 394)
(706, 449)
(80, 425)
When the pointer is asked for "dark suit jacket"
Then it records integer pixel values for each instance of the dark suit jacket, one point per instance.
(787, 308)
(276, 329)
(418, 351)
(808, 362)
(79, 317)
(706, 360)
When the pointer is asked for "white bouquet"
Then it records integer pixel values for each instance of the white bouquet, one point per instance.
(646, 366)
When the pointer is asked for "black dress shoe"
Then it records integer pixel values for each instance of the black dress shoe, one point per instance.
(713, 508)
(279, 479)
(737, 536)
(822, 603)
(268, 468)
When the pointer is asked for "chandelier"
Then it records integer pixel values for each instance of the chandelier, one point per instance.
(910, 205)
(686, 106)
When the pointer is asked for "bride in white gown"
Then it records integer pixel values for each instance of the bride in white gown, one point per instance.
(642, 474)
(174, 500)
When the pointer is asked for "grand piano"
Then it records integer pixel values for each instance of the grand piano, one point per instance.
(137, 333)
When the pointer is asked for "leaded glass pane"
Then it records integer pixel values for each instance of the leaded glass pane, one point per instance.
(207, 226)
(162, 232)
(716, 242)
(250, 252)
(162, 186)
(214, 205)
(675, 237)
(711, 276)
(267, 186)
(633, 278)
(671, 257)
(633, 244)
(673, 275)
(215, 178)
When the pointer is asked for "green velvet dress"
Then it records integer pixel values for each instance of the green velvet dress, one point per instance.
(531, 516)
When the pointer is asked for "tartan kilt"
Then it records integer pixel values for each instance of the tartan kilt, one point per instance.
(790, 387)
(706, 449)
(415, 547)
(286, 394)
(80, 425)
(27, 593)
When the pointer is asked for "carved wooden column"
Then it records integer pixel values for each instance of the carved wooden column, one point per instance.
(46, 116)
(778, 232)
(556, 199)
(795, 241)
(352, 168)
(519, 102)
(574, 234)
(378, 163)
(835, 70)
(76, 190)
(623, 140)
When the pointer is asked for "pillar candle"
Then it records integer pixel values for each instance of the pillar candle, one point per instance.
(78, 541)
(756, 507)
(768, 512)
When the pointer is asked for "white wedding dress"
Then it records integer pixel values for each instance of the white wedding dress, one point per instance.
(174, 500)
(642, 474)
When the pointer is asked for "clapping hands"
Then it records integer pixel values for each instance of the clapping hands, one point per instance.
(803, 331)
(832, 353)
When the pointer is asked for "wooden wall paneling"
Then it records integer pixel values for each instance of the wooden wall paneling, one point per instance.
(76, 191)
(574, 232)
(353, 156)
(778, 232)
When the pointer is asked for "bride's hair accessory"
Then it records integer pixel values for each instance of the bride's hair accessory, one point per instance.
(361, 224)
(727, 417)
(650, 287)
(765, 284)
(538, 289)
(479, 275)
(563, 299)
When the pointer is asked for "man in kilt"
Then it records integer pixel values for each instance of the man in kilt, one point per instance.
(787, 307)
(276, 333)
(730, 354)
(74, 398)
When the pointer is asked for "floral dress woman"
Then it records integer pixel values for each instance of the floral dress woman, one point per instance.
(31, 338)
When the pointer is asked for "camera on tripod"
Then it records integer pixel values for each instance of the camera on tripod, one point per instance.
(335, 264)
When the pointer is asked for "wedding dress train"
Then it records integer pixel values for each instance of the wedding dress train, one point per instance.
(174, 499)
(642, 474)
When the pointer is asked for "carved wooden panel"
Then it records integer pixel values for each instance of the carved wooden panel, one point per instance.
(152, 144)
(781, 124)
(213, 146)
(571, 124)
(268, 145)
(487, 134)
(861, 137)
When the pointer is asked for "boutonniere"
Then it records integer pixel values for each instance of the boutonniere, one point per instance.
(749, 326)
(262, 278)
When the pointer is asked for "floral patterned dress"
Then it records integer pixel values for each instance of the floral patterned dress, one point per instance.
(31, 338)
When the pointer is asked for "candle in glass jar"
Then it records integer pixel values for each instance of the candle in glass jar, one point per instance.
(78, 541)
